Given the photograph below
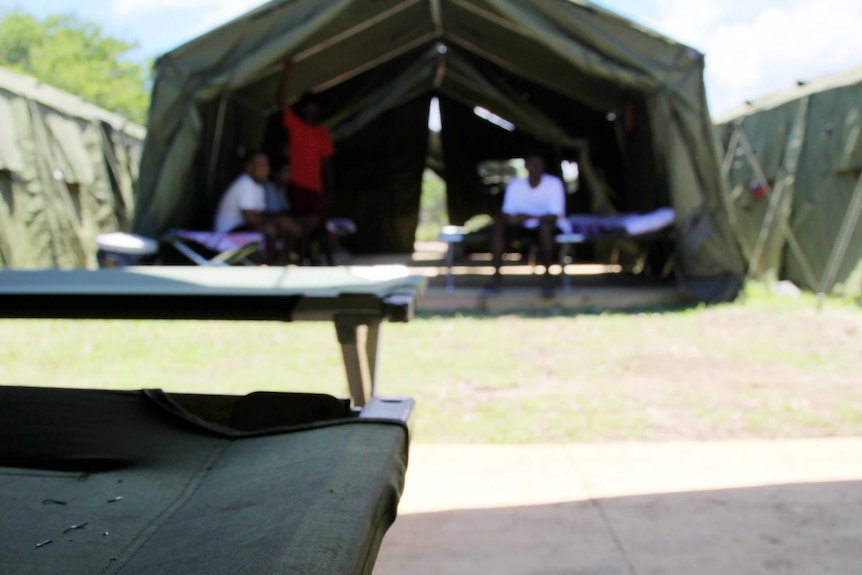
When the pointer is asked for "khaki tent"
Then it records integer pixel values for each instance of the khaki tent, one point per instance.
(67, 172)
(794, 162)
(623, 102)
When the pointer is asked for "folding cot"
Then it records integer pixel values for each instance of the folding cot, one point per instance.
(216, 249)
(144, 481)
(119, 249)
(644, 229)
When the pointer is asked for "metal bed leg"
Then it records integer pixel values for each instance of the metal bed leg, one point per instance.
(564, 256)
(359, 336)
(450, 261)
(451, 235)
(565, 241)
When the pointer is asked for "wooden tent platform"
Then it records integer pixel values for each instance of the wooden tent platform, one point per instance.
(593, 287)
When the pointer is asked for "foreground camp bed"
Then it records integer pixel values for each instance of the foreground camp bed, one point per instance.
(143, 482)
(356, 300)
(96, 481)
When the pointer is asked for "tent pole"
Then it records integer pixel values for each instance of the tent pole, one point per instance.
(843, 240)
(219, 132)
(754, 162)
(740, 139)
(436, 16)
(373, 63)
(358, 28)
(353, 31)
(788, 171)
(727, 164)
(437, 19)
(496, 19)
(731, 150)
(797, 251)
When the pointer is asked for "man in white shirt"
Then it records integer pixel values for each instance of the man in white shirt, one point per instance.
(243, 208)
(533, 206)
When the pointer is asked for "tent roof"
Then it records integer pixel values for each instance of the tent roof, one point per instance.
(572, 47)
(68, 104)
(823, 83)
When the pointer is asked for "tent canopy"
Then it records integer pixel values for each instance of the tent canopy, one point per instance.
(794, 162)
(67, 170)
(625, 103)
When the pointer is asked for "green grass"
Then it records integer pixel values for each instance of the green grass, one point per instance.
(762, 367)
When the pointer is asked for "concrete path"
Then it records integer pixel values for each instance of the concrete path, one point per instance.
(748, 507)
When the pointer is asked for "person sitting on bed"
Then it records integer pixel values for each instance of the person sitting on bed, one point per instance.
(534, 207)
(242, 208)
(277, 189)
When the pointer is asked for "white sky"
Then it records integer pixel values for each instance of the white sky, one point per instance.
(752, 47)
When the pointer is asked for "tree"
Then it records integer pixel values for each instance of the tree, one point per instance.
(78, 57)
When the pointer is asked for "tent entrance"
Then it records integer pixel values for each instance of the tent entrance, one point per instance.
(627, 105)
(380, 165)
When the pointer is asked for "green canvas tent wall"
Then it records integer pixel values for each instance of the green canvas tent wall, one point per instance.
(794, 162)
(67, 172)
(625, 103)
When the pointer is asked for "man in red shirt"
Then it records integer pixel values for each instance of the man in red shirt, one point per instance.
(310, 150)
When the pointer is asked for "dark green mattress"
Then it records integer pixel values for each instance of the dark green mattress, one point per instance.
(141, 482)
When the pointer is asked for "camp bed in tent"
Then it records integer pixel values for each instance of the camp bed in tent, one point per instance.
(643, 230)
(98, 481)
(206, 248)
(216, 249)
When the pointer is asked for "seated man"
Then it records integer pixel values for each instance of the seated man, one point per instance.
(277, 192)
(243, 208)
(533, 206)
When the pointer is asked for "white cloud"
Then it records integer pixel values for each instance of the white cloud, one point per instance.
(754, 47)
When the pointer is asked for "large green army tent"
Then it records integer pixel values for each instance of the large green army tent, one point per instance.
(67, 173)
(794, 162)
(625, 103)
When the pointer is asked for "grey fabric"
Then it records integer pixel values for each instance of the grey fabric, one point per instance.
(153, 493)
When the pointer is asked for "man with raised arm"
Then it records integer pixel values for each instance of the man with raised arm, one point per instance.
(310, 150)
